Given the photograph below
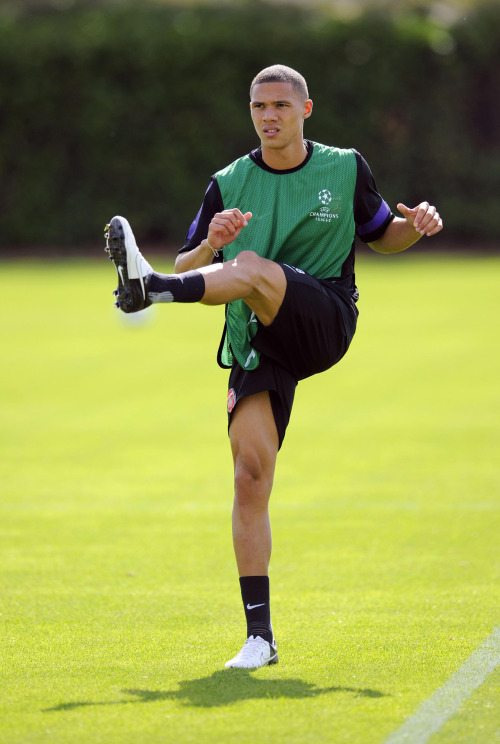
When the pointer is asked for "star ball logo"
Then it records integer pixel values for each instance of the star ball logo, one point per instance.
(324, 215)
(325, 196)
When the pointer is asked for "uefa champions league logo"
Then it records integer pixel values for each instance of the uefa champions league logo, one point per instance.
(325, 215)
(325, 196)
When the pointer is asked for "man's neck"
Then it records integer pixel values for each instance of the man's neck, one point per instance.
(286, 158)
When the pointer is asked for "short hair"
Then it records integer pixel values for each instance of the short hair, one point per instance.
(282, 74)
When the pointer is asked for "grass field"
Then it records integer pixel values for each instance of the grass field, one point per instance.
(119, 596)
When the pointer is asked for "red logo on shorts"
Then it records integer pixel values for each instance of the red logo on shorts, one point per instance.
(231, 400)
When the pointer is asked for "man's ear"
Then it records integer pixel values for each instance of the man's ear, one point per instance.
(308, 107)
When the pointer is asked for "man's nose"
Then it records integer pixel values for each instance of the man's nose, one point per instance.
(270, 113)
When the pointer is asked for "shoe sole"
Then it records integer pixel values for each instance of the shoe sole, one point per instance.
(130, 292)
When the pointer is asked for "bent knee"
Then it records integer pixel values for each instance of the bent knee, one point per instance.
(251, 267)
(264, 284)
(248, 259)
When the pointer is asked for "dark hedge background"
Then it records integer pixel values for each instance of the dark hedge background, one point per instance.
(128, 110)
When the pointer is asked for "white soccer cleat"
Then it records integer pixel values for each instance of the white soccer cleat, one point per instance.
(256, 652)
(132, 268)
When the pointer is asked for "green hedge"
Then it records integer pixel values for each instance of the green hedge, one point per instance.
(130, 110)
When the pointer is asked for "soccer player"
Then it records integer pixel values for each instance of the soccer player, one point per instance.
(274, 242)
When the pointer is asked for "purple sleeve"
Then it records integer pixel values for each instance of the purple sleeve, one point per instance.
(372, 214)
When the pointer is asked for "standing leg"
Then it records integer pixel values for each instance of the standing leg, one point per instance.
(254, 444)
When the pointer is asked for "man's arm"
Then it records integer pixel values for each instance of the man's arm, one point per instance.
(200, 256)
(401, 233)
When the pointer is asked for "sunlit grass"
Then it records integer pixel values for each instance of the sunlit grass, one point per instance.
(120, 601)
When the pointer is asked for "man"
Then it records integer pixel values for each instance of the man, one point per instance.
(274, 242)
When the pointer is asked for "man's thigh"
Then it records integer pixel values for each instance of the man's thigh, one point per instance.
(252, 432)
(259, 282)
(269, 377)
(309, 333)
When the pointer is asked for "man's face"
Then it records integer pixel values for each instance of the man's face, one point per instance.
(278, 114)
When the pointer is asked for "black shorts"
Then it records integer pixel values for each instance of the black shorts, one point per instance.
(311, 332)
(268, 376)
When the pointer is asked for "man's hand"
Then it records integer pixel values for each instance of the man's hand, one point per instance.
(226, 226)
(401, 233)
(424, 218)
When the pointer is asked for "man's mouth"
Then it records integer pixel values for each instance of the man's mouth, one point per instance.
(270, 131)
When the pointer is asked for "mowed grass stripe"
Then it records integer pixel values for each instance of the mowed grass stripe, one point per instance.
(120, 600)
(446, 701)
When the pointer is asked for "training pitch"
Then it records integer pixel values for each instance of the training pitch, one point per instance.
(119, 595)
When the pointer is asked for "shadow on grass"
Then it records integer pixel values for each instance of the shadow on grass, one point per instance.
(224, 688)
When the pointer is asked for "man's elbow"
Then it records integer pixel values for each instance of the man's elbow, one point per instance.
(379, 246)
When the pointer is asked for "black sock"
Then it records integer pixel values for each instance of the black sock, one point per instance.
(186, 287)
(255, 596)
